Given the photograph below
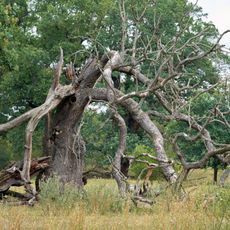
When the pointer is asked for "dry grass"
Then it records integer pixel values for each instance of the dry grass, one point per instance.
(207, 207)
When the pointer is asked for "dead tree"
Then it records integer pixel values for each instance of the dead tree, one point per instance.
(66, 146)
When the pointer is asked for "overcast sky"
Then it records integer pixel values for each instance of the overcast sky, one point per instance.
(219, 13)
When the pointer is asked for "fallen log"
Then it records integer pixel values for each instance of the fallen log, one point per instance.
(11, 176)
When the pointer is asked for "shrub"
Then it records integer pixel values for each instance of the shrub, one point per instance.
(54, 192)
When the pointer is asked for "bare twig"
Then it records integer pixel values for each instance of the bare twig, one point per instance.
(57, 71)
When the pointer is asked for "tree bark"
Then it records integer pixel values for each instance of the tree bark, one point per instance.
(224, 176)
(181, 178)
(117, 174)
(68, 148)
(47, 135)
(215, 175)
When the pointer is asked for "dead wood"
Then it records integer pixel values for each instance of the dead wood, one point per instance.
(11, 176)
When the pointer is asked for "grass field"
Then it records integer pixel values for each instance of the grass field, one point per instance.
(207, 207)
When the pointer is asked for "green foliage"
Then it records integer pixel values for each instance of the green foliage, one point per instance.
(100, 133)
(5, 152)
(138, 168)
(97, 131)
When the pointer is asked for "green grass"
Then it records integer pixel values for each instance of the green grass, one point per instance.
(100, 207)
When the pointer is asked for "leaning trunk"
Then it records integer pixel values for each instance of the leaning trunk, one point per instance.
(117, 173)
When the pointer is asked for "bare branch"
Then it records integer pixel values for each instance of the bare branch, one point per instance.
(201, 163)
(149, 156)
(141, 94)
(124, 26)
(17, 121)
(136, 32)
(188, 42)
(136, 73)
(41, 111)
(58, 71)
(198, 95)
(151, 165)
(204, 54)
(120, 153)
(225, 122)
(123, 133)
(115, 60)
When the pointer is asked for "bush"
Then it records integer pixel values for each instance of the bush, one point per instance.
(54, 192)
(98, 197)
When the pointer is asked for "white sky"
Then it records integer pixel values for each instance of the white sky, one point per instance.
(219, 13)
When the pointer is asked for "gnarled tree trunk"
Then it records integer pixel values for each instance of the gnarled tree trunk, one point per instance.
(67, 146)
